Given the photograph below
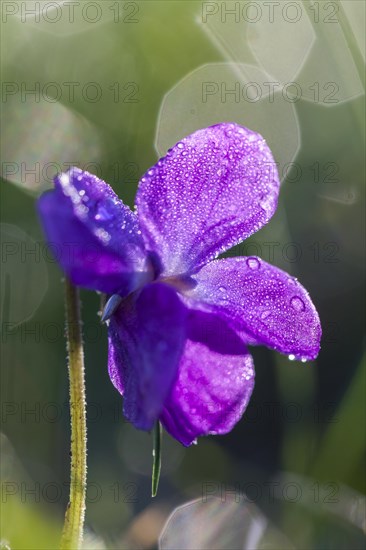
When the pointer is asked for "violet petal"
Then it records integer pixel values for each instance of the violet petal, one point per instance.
(212, 190)
(93, 235)
(268, 305)
(214, 384)
(146, 339)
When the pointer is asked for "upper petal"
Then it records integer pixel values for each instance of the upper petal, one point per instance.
(264, 302)
(214, 384)
(94, 236)
(212, 190)
(146, 336)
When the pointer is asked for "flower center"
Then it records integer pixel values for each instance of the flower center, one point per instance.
(182, 283)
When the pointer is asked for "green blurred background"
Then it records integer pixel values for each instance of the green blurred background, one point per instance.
(114, 85)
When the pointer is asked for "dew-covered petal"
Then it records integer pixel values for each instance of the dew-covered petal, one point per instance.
(215, 381)
(212, 190)
(146, 339)
(93, 235)
(266, 304)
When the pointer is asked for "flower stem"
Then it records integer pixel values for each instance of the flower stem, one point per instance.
(72, 534)
(156, 459)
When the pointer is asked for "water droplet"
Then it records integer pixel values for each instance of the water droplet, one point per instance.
(265, 315)
(180, 145)
(105, 210)
(81, 210)
(103, 215)
(103, 235)
(223, 295)
(303, 360)
(297, 303)
(291, 357)
(253, 263)
(82, 192)
(64, 179)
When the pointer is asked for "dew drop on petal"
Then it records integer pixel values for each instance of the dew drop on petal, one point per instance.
(103, 235)
(253, 263)
(297, 303)
(223, 295)
(265, 315)
(81, 210)
(64, 179)
(291, 357)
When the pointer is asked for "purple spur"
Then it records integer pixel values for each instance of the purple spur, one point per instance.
(179, 319)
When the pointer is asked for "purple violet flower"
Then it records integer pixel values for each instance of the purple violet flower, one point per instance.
(180, 320)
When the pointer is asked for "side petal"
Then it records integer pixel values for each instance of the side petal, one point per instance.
(92, 234)
(147, 335)
(264, 302)
(215, 381)
(212, 190)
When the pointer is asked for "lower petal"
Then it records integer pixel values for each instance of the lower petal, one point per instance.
(146, 339)
(214, 384)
